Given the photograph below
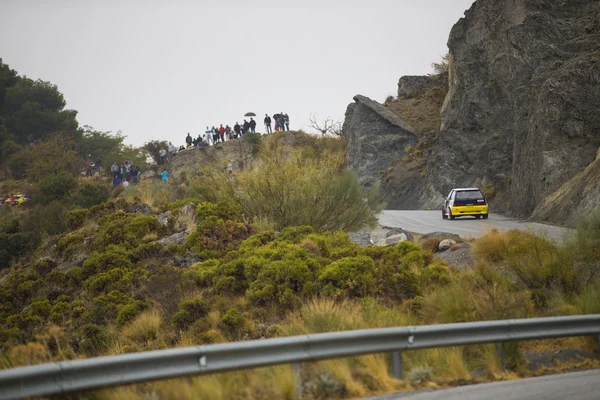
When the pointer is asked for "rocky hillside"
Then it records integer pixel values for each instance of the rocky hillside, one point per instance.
(241, 153)
(520, 118)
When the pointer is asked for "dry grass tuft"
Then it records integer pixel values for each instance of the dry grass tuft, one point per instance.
(144, 327)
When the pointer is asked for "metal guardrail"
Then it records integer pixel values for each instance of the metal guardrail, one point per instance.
(73, 376)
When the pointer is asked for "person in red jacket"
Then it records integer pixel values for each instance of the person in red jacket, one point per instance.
(222, 133)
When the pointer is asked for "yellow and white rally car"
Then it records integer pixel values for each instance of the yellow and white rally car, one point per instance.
(465, 202)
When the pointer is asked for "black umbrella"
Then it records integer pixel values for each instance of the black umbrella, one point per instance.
(276, 116)
(250, 114)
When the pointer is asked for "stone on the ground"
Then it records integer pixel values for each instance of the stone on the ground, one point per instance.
(446, 244)
(361, 238)
(163, 218)
(399, 231)
(186, 214)
(177, 238)
(392, 240)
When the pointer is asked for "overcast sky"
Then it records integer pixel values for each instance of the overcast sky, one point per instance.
(157, 69)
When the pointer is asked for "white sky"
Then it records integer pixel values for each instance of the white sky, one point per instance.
(157, 69)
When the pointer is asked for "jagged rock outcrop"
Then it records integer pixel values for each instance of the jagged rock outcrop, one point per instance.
(521, 114)
(376, 139)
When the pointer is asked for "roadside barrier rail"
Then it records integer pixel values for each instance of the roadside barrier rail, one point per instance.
(73, 376)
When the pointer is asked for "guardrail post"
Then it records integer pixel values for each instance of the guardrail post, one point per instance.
(397, 364)
(500, 350)
(598, 340)
(297, 368)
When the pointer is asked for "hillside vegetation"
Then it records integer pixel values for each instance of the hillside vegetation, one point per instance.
(86, 270)
(246, 267)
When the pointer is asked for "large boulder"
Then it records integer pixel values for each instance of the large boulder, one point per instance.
(376, 138)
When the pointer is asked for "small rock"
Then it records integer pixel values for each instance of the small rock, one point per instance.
(399, 231)
(163, 218)
(361, 238)
(148, 174)
(441, 235)
(446, 244)
(392, 240)
(140, 208)
(185, 216)
(177, 238)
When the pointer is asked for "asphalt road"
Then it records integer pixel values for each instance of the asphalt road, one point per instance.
(431, 221)
(572, 386)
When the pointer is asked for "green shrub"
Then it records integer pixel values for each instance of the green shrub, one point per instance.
(55, 187)
(349, 277)
(12, 244)
(231, 324)
(91, 194)
(282, 284)
(40, 309)
(129, 312)
(95, 340)
(60, 311)
(45, 220)
(289, 189)
(44, 265)
(189, 312)
(67, 243)
(75, 218)
(113, 257)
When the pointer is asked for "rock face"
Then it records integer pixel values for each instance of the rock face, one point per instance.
(412, 86)
(376, 138)
(521, 114)
(520, 118)
(576, 198)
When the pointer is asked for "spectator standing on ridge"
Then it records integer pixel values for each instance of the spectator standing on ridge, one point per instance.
(165, 176)
(171, 149)
(188, 139)
(286, 120)
(209, 136)
(252, 125)
(163, 156)
(215, 135)
(222, 133)
(228, 132)
(115, 170)
(246, 127)
(237, 129)
(268, 124)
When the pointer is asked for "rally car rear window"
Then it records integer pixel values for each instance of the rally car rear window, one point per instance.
(469, 195)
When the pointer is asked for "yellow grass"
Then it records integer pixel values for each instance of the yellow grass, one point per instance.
(144, 327)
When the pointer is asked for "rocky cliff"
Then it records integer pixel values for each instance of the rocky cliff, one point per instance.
(521, 115)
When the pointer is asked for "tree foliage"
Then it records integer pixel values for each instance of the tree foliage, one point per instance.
(154, 147)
